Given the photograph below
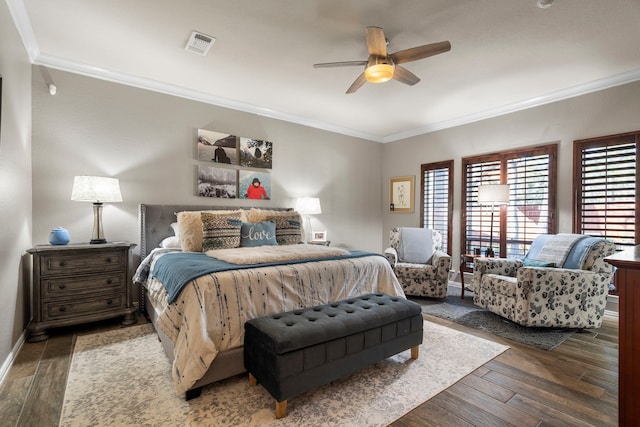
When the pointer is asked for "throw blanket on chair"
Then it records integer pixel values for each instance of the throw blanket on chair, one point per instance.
(416, 245)
(556, 248)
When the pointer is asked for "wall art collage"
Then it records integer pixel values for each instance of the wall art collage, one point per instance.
(230, 178)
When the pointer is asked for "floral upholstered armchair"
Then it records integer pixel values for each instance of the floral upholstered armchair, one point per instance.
(563, 281)
(418, 261)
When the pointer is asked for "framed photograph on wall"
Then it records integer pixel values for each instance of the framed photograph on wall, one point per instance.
(217, 147)
(401, 189)
(256, 153)
(254, 185)
(217, 182)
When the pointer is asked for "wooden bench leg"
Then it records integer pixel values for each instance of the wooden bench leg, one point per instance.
(281, 409)
(414, 352)
(252, 380)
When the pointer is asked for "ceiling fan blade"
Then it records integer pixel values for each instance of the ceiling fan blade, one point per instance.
(376, 42)
(420, 52)
(339, 64)
(357, 84)
(405, 76)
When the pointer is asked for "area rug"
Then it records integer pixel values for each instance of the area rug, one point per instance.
(465, 312)
(122, 378)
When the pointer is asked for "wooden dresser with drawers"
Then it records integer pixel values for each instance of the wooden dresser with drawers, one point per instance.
(79, 283)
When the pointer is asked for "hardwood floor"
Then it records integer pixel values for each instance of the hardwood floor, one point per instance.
(576, 384)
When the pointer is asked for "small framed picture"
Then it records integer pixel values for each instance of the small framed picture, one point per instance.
(319, 236)
(401, 194)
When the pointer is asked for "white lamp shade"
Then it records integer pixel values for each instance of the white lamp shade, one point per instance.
(96, 189)
(308, 205)
(493, 194)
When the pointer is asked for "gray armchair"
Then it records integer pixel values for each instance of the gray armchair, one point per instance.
(428, 278)
(555, 292)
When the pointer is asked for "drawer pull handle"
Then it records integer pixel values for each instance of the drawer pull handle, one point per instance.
(62, 263)
(61, 286)
(108, 259)
(109, 302)
(63, 308)
(109, 281)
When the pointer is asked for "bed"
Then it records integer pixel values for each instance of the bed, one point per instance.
(201, 324)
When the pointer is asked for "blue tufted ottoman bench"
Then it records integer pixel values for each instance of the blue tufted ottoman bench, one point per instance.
(293, 352)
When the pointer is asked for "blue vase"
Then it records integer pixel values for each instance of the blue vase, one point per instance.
(59, 236)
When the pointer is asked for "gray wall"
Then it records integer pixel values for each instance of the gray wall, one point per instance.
(606, 112)
(148, 141)
(15, 188)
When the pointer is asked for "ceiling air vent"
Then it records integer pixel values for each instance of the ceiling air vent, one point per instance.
(199, 43)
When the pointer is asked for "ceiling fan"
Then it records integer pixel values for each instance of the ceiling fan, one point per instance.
(382, 66)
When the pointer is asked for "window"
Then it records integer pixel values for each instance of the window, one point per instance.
(436, 193)
(529, 213)
(606, 188)
(531, 175)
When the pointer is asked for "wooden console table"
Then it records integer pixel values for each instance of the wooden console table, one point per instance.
(628, 283)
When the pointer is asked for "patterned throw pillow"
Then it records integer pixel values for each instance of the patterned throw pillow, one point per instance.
(220, 231)
(258, 234)
(288, 228)
(190, 227)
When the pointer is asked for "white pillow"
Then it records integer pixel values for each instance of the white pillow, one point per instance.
(176, 230)
(172, 242)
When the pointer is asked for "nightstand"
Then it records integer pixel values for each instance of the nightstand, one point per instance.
(79, 283)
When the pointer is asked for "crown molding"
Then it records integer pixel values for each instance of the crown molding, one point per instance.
(21, 20)
(559, 95)
(194, 95)
(161, 87)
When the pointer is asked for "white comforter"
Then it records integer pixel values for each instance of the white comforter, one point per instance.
(209, 315)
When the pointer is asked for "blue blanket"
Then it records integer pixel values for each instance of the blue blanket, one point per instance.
(174, 270)
(576, 255)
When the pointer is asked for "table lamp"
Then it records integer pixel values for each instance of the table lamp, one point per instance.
(307, 206)
(98, 190)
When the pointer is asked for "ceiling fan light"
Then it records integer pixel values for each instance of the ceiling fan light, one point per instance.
(378, 71)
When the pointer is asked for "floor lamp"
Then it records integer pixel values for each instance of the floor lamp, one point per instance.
(493, 195)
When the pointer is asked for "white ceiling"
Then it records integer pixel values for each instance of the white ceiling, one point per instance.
(506, 55)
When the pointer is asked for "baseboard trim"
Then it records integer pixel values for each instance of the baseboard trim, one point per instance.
(4, 369)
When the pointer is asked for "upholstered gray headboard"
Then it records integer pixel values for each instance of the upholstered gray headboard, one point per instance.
(155, 222)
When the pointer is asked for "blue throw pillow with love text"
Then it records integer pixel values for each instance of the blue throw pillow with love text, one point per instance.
(258, 234)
